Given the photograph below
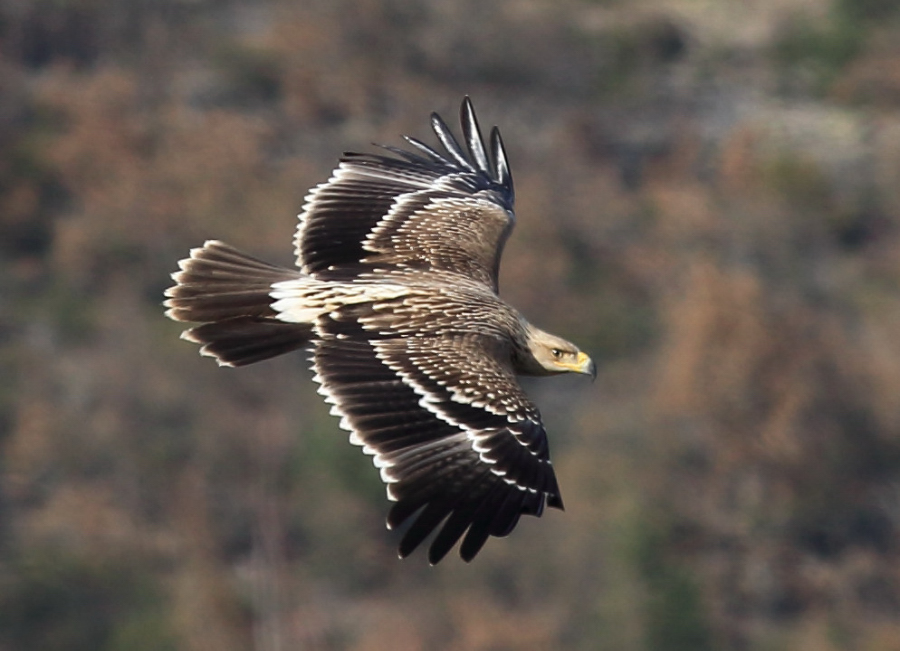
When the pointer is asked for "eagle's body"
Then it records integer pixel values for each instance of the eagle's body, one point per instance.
(396, 296)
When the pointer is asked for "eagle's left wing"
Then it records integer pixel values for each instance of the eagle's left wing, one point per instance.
(455, 437)
(420, 211)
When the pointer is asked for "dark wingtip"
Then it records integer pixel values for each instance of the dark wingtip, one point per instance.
(448, 140)
(471, 545)
(502, 171)
(435, 557)
(555, 501)
(472, 134)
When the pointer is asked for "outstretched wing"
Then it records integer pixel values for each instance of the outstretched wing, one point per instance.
(458, 443)
(421, 210)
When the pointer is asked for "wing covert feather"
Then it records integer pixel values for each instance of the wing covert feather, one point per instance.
(446, 212)
(453, 462)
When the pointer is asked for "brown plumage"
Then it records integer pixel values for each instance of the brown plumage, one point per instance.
(396, 296)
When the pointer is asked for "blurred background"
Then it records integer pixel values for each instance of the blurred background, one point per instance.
(708, 200)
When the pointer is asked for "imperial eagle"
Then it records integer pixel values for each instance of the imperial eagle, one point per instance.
(396, 297)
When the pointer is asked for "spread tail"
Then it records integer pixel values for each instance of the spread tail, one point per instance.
(227, 292)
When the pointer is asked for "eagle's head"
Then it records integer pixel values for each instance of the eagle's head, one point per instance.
(551, 355)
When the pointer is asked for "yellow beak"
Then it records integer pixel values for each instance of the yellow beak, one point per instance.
(584, 365)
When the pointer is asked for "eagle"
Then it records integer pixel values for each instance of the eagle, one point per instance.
(395, 295)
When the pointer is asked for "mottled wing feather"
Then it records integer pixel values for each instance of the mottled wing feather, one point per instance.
(461, 381)
(441, 231)
(451, 463)
(412, 212)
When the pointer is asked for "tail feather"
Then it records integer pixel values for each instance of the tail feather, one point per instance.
(227, 291)
(220, 306)
(245, 340)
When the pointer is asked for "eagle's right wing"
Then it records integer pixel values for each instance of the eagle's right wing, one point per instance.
(458, 443)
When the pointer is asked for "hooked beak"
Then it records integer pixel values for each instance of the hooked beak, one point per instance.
(585, 365)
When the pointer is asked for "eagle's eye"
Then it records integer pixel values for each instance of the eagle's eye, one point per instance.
(556, 352)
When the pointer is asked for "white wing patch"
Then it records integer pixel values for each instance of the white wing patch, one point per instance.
(305, 299)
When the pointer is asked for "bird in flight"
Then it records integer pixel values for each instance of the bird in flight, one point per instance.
(396, 297)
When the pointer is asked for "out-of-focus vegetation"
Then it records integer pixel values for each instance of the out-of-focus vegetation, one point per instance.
(708, 200)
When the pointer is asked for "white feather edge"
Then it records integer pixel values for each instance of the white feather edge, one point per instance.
(428, 402)
(431, 403)
(346, 170)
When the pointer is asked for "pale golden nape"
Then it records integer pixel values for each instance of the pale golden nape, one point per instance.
(556, 355)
